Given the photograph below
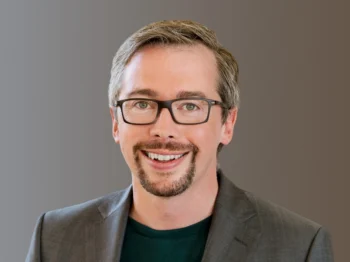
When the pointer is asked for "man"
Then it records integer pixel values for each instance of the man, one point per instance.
(173, 99)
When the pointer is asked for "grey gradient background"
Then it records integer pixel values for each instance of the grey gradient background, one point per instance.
(291, 142)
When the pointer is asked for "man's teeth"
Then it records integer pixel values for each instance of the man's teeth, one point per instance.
(163, 157)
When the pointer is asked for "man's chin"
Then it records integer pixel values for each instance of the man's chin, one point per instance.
(166, 183)
(166, 188)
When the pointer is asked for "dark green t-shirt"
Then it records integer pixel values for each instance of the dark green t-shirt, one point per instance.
(144, 244)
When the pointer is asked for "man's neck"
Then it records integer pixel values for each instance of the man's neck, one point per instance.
(192, 206)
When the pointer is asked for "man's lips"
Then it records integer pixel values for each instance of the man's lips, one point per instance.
(163, 160)
(164, 152)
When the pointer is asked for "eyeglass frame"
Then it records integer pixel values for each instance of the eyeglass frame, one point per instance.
(167, 104)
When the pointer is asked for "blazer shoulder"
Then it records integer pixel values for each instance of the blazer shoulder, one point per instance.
(57, 231)
(276, 218)
(269, 215)
(287, 234)
(91, 211)
(271, 232)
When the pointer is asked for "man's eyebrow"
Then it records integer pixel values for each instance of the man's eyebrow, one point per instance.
(143, 92)
(186, 94)
(153, 94)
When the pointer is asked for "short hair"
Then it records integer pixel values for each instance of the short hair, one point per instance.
(179, 32)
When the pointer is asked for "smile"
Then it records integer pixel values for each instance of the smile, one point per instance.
(164, 158)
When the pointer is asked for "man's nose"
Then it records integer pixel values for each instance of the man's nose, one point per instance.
(165, 127)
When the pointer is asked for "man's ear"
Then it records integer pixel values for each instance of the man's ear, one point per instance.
(115, 130)
(228, 126)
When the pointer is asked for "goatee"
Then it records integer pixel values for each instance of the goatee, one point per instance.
(176, 187)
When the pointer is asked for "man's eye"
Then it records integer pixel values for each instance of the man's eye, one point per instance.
(190, 107)
(141, 104)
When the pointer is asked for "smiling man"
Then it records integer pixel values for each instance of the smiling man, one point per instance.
(174, 99)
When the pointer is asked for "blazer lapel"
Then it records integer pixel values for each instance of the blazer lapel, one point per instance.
(234, 227)
(105, 238)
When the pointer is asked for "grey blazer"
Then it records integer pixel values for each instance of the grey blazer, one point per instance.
(244, 228)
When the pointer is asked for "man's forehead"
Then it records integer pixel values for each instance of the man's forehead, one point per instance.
(177, 58)
(165, 75)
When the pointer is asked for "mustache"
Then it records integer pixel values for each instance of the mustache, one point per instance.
(171, 146)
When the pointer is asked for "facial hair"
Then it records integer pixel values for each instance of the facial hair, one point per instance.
(177, 187)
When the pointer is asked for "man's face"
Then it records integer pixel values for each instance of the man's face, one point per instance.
(166, 73)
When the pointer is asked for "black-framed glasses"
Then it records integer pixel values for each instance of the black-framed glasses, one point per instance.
(184, 111)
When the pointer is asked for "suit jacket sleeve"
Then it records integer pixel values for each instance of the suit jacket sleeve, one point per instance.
(34, 253)
(321, 247)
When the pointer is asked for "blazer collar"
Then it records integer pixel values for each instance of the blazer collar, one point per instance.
(105, 237)
(235, 225)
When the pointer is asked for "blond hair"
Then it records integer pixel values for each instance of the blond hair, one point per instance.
(179, 32)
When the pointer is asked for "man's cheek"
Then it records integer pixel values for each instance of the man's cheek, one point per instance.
(200, 137)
